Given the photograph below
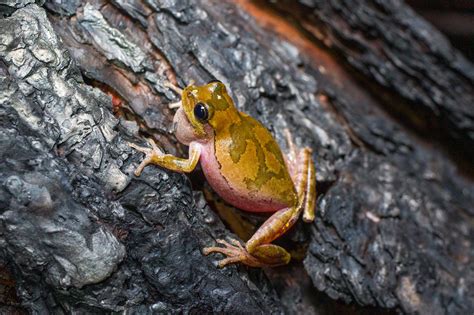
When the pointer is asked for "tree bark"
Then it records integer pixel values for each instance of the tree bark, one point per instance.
(379, 94)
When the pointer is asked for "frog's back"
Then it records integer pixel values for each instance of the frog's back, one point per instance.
(253, 166)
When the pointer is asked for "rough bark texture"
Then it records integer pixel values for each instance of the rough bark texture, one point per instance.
(79, 232)
(388, 43)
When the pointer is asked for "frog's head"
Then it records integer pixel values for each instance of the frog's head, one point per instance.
(205, 110)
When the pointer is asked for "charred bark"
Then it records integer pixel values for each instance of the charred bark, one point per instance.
(428, 84)
(80, 233)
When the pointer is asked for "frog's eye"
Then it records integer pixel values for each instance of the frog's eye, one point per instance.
(201, 112)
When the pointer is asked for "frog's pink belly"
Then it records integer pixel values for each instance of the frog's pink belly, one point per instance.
(240, 199)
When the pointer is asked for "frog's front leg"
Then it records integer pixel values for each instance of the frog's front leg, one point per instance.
(154, 155)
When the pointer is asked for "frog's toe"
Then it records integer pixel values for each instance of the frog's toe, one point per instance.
(229, 260)
(150, 154)
(155, 147)
(235, 243)
(143, 164)
(138, 148)
(228, 249)
(173, 87)
(175, 105)
(214, 249)
(235, 253)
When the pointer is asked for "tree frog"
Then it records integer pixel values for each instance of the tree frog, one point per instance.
(243, 163)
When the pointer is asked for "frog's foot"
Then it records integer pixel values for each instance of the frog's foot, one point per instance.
(235, 253)
(151, 154)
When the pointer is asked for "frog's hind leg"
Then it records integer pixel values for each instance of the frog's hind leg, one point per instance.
(279, 223)
(310, 187)
(291, 156)
(258, 251)
(301, 165)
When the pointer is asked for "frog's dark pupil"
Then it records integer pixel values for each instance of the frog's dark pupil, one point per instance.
(200, 111)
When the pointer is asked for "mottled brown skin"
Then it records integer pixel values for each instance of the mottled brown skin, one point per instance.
(244, 165)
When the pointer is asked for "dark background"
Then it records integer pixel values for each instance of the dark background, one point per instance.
(455, 18)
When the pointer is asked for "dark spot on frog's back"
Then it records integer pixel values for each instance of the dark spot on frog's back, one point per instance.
(251, 130)
(273, 148)
(239, 135)
(220, 100)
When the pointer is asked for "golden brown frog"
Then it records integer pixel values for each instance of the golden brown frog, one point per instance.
(244, 165)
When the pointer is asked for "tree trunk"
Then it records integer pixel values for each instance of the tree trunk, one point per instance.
(381, 97)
